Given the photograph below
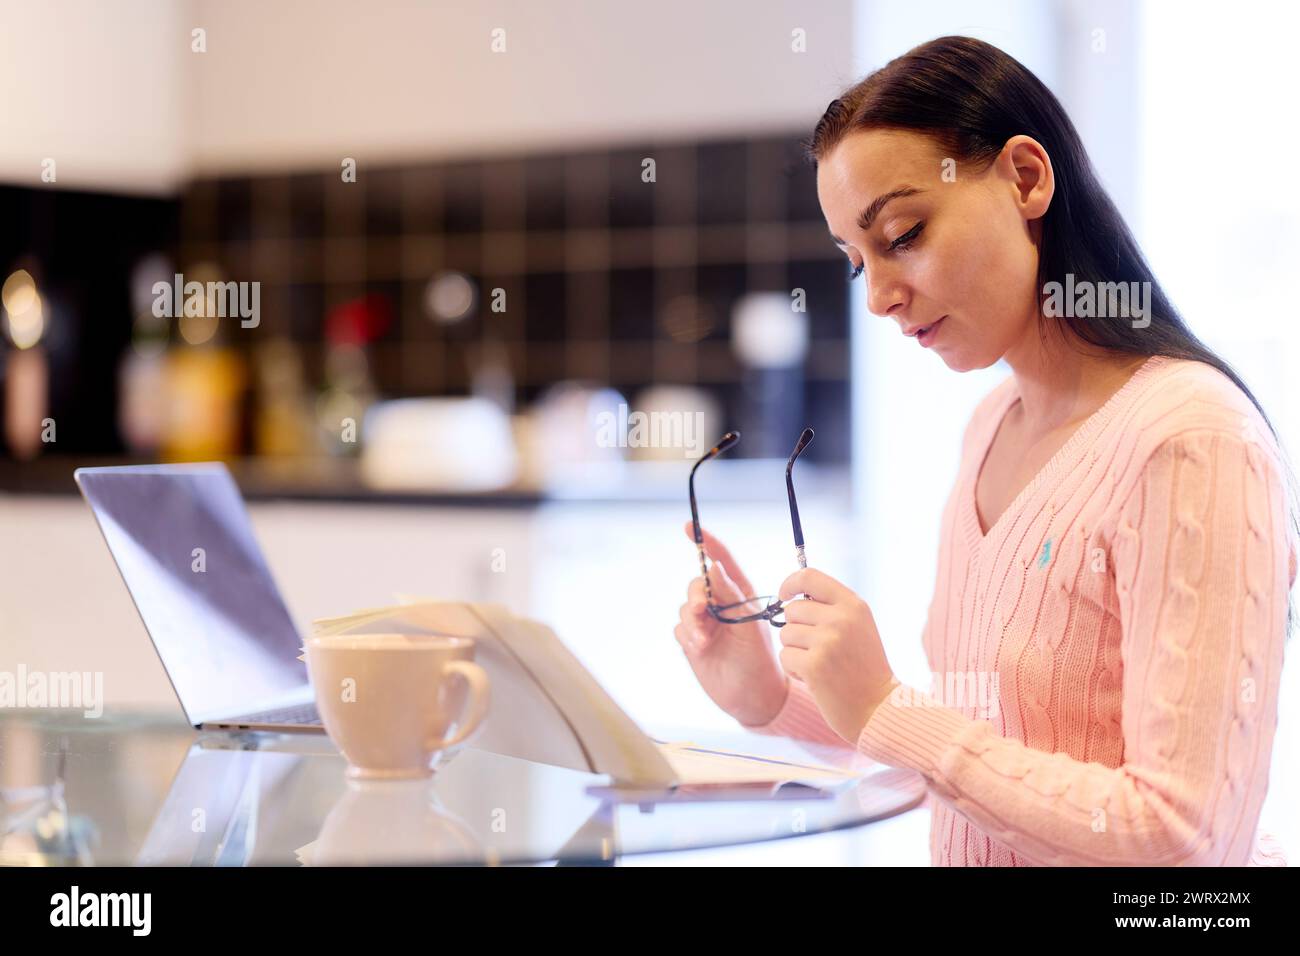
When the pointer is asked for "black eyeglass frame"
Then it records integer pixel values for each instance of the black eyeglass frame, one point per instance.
(774, 606)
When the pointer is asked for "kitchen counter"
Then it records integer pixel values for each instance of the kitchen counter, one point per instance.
(340, 480)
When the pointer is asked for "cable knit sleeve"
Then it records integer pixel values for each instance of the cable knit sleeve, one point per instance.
(1201, 561)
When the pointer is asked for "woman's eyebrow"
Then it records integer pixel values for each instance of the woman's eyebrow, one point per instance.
(868, 215)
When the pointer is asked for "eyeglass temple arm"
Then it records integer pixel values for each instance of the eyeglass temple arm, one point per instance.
(725, 442)
(805, 439)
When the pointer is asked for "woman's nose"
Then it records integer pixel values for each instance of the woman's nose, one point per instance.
(885, 295)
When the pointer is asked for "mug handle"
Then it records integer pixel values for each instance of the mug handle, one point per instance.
(476, 708)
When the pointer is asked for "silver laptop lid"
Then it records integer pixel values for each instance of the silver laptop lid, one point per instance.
(181, 537)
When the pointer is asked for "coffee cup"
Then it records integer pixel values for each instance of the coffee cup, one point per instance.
(389, 701)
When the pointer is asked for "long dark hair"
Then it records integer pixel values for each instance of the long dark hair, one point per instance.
(970, 97)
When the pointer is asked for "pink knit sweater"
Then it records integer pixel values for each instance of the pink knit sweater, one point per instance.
(1106, 659)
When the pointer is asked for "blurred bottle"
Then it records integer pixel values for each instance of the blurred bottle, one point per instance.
(204, 386)
(283, 425)
(27, 389)
(27, 368)
(349, 388)
(204, 380)
(142, 374)
(341, 406)
(142, 386)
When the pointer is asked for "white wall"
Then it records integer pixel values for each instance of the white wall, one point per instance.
(97, 87)
(310, 81)
(114, 93)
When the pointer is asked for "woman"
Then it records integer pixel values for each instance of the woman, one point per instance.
(1116, 555)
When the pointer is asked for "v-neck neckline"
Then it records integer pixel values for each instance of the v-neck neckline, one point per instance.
(1086, 430)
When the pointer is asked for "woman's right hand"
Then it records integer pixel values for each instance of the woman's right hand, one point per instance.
(734, 663)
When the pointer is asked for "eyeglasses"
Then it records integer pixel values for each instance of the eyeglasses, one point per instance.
(767, 607)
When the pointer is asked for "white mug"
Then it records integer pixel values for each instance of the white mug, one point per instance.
(388, 700)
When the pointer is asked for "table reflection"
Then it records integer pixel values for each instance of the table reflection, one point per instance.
(140, 790)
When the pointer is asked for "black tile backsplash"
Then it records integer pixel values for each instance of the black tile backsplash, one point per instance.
(631, 203)
(546, 307)
(631, 305)
(608, 278)
(544, 184)
(385, 201)
(462, 199)
(720, 184)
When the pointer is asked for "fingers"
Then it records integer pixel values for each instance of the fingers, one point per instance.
(817, 585)
(690, 614)
(798, 635)
(800, 611)
(694, 616)
(695, 630)
(695, 613)
(697, 622)
(726, 589)
(688, 643)
(717, 551)
(695, 593)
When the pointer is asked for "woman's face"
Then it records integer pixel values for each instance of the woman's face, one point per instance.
(951, 244)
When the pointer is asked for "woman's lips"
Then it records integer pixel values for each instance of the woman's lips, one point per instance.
(926, 338)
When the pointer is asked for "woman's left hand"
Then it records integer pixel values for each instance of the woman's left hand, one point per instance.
(831, 644)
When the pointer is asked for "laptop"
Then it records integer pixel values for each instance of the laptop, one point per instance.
(181, 537)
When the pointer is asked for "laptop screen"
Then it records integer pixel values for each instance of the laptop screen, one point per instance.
(182, 539)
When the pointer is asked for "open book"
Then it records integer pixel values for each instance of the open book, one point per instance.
(548, 708)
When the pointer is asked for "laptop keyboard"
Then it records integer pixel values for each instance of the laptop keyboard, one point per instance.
(300, 714)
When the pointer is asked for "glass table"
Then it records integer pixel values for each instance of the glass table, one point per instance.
(147, 789)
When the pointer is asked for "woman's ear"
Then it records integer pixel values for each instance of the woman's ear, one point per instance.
(1026, 166)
